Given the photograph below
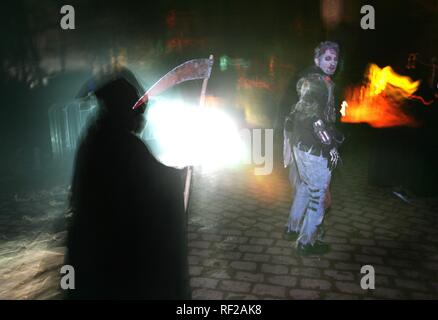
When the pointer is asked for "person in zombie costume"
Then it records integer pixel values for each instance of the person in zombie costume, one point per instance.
(127, 235)
(311, 149)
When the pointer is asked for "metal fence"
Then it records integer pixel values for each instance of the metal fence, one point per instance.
(66, 123)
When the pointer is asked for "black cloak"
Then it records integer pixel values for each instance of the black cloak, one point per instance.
(127, 235)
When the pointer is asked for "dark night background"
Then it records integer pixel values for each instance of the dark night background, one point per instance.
(258, 46)
(43, 65)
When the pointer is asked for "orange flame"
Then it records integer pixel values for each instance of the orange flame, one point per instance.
(378, 101)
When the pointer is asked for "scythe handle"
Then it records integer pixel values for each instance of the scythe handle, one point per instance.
(190, 168)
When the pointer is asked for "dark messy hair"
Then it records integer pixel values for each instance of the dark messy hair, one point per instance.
(324, 46)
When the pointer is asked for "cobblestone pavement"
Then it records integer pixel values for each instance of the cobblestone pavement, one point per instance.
(32, 239)
(237, 249)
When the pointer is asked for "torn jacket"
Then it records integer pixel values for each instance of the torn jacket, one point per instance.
(314, 110)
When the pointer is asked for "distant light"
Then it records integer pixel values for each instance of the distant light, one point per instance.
(33, 84)
(224, 61)
(331, 12)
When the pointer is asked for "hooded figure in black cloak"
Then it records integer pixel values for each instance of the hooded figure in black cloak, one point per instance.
(127, 235)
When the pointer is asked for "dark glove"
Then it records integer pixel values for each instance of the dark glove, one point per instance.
(338, 137)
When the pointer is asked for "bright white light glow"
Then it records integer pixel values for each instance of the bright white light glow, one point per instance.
(193, 135)
(344, 107)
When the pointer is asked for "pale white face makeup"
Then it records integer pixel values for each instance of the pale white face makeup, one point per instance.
(328, 62)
